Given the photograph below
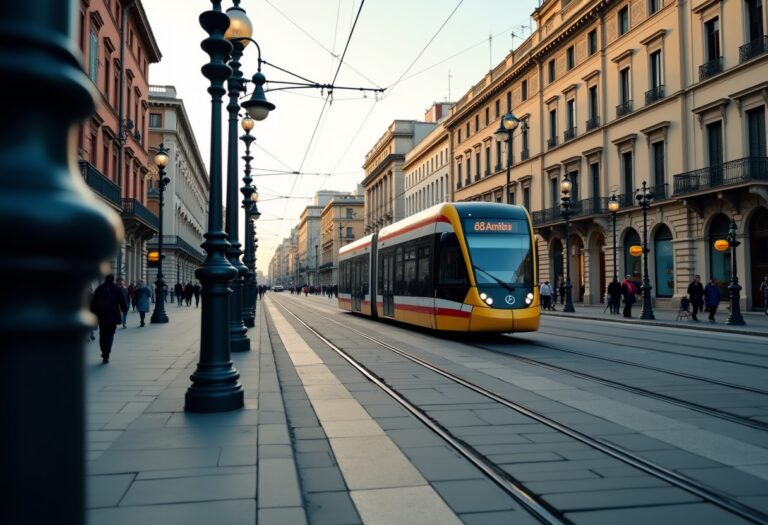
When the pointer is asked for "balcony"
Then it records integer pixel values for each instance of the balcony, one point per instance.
(628, 200)
(552, 142)
(487, 172)
(569, 134)
(711, 68)
(524, 155)
(579, 209)
(477, 176)
(593, 123)
(101, 185)
(498, 166)
(755, 48)
(174, 241)
(625, 108)
(728, 173)
(133, 210)
(654, 94)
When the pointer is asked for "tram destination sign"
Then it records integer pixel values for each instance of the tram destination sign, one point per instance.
(495, 226)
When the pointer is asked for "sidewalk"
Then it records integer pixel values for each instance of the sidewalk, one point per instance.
(756, 322)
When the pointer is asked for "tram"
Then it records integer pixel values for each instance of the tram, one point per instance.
(461, 267)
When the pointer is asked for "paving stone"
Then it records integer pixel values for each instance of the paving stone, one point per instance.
(331, 508)
(390, 410)
(309, 433)
(690, 514)
(312, 445)
(473, 495)
(373, 462)
(403, 505)
(196, 472)
(441, 463)
(396, 423)
(495, 518)
(119, 461)
(203, 488)
(416, 437)
(314, 459)
(107, 491)
(284, 516)
(183, 437)
(220, 419)
(238, 456)
(526, 457)
(234, 512)
(556, 485)
(275, 451)
(637, 442)
(274, 434)
(278, 484)
(622, 498)
(322, 479)
(729, 480)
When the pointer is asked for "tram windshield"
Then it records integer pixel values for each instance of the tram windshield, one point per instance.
(500, 251)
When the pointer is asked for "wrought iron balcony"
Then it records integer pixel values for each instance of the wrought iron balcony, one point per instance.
(100, 184)
(660, 192)
(711, 68)
(498, 167)
(593, 123)
(569, 134)
(174, 241)
(579, 209)
(134, 210)
(732, 172)
(654, 94)
(752, 49)
(625, 108)
(524, 154)
(551, 142)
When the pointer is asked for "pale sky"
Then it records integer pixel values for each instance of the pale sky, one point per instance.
(300, 36)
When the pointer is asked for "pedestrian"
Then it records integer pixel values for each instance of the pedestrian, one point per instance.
(143, 294)
(132, 295)
(711, 298)
(178, 290)
(188, 293)
(124, 291)
(696, 296)
(89, 298)
(628, 291)
(614, 295)
(764, 291)
(545, 291)
(196, 293)
(108, 304)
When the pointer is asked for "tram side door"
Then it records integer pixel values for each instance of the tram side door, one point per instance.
(388, 277)
(357, 283)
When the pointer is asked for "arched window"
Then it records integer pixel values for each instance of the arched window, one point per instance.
(664, 259)
(632, 264)
(719, 262)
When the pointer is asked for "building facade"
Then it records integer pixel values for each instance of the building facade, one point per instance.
(185, 209)
(614, 94)
(118, 45)
(341, 222)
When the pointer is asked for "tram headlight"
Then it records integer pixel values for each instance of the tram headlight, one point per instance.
(483, 296)
(489, 301)
(529, 298)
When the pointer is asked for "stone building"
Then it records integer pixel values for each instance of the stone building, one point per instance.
(341, 222)
(614, 94)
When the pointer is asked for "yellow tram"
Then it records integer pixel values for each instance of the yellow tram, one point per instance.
(463, 267)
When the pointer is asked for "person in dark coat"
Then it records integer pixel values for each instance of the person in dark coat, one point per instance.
(711, 298)
(614, 296)
(696, 296)
(196, 293)
(178, 290)
(143, 295)
(628, 291)
(108, 304)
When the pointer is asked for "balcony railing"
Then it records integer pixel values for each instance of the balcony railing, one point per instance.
(133, 209)
(174, 241)
(498, 167)
(731, 172)
(625, 108)
(569, 134)
(99, 183)
(660, 193)
(593, 123)
(580, 208)
(524, 154)
(654, 94)
(477, 176)
(551, 142)
(755, 48)
(711, 68)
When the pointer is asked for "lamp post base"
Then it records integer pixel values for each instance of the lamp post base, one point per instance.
(568, 307)
(158, 317)
(238, 341)
(211, 395)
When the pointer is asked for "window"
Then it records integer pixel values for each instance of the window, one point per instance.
(527, 198)
(349, 232)
(487, 116)
(657, 154)
(624, 91)
(592, 42)
(623, 20)
(592, 95)
(458, 173)
(712, 38)
(629, 181)
(155, 120)
(511, 197)
(632, 263)
(665, 262)
(554, 192)
(93, 57)
(468, 130)
(570, 59)
(469, 169)
(424, 276)
(570, 107)
(754, 19)
(509, 101)
(594, 173)
(451, 268)
(498, 103)
(720, 262)
(498, 155)
(756, 132)
(655, 64)
(551, 70)
(349, 212)
(653, 6)
(524, 139)
(488, 160)
(477, 123)
(524, 90)
(477, 165)
(107, 77)
(553, 124)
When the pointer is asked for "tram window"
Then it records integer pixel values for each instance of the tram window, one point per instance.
(409, 271)
(364, 276)
(399, 288)
(425, 278)
(451, 268)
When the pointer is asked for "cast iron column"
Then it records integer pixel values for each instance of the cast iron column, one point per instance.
(644, 199)
(159, 315)
(56, 236)
(215, 386)
(249, 313)
(735, 317)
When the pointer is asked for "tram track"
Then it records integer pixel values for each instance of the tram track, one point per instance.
(529, 500)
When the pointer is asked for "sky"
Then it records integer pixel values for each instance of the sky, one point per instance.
(420, 51)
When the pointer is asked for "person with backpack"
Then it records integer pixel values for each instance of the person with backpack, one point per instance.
(696, 296)
(628, 292)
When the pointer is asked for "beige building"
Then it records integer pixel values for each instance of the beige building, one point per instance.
(384, 182)
(614, 94)
(341, 222)
(427, 166)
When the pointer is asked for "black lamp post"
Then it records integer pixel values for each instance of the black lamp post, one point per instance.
(159, 315)
(215, 382)
(507, 126)
(644, 198)
(249, 314)
(565, 201)
(254, 215)
(735, 317)
(613, 207)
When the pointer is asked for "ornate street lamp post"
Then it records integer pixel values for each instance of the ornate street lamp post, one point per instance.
(565, 201)
(159, 315)
(735, 317)
(254, 215)
(215, 382)
(613, 207)
(507, 126)
(249, 314)
(644, 198)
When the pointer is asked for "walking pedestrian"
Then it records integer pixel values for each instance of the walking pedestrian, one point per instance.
(196, 293)
(108, 304)
(124, 291)
(696, 296)
(132, 296)
(545, 291)
(178, 290)
(143, 294)
(764, 291)
(614, 296)
(628, 291)
(711, 298)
